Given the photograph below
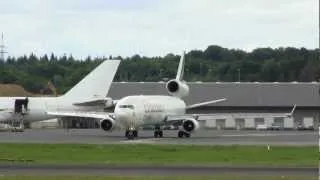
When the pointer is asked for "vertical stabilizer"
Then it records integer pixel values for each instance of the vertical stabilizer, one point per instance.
(180, 72)
(96, 84)
(177, 87)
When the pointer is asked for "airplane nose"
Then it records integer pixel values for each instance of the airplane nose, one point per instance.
(122, 115)
(125, 118)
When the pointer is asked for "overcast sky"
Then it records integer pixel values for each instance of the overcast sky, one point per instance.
(155, 27)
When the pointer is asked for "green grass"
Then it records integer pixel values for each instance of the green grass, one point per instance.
(159, 178)
(159, 154)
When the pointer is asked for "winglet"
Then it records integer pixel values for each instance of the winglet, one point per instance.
(180, 72)
(292, 111)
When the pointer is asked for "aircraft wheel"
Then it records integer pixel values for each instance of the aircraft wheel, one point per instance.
(135, 133)
(160, 134)
(180, 134)
(155, 134)
(130, 134)
(187, 135)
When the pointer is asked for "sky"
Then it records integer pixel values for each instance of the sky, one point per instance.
(155, 27)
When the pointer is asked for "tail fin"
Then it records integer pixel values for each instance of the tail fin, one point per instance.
(96, 84)
(177, 87)
(180, 72)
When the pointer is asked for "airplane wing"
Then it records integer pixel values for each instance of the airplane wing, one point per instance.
(95, 102)
(179, 118)
(95, 115)
(205, 103)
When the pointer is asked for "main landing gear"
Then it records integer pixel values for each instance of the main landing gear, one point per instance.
(131, 134)
(182, 134)
(158, 133)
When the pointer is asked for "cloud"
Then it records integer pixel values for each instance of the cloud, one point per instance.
(155, 28)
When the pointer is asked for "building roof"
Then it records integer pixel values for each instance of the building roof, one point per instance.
(237, 94)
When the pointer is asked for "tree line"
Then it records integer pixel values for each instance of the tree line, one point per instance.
(215, 63)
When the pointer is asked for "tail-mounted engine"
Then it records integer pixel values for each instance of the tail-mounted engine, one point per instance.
(107, 124)
(177, 88)
(190, 125)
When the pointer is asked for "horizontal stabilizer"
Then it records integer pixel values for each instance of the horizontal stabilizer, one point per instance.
(206, 103)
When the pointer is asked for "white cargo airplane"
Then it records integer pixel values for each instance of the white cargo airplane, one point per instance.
(133, 112)
(88, 95)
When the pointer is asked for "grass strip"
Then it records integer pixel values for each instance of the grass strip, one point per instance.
(142, 154)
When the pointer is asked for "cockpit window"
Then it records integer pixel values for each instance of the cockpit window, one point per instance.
(126, 106)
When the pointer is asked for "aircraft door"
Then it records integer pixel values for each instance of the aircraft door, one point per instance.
(21, 105)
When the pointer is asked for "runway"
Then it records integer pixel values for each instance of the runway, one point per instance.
(151, 171)
(202, 137)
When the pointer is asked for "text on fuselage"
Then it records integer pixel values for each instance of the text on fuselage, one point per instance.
(151, 108)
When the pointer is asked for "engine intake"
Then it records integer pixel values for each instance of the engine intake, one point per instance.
(177, 88)
(190, 125)
(107, 124)
(173, 86)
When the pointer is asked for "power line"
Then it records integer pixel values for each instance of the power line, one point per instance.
(2, 48)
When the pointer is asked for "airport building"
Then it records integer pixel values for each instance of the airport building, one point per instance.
(248, 105)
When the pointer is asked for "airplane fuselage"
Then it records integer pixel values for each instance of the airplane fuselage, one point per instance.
(137, 111)
(37, 108)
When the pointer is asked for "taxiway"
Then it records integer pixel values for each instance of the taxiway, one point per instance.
(203, 137)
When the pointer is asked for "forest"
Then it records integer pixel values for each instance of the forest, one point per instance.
(215, 63)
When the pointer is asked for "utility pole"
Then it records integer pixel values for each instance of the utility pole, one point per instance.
(2, 48)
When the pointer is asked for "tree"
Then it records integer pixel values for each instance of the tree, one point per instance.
(215, 63)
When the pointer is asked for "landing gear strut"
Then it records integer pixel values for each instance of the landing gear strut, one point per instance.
(182, 134)
(158, 132)
(131, 134)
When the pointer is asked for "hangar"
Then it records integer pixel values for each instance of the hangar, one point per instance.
(248, 104)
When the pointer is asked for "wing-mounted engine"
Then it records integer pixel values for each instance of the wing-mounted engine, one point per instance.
(190, 125)
(177, 88)
(107, 124)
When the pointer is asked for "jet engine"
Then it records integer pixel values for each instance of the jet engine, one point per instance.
(190, 125)
(109, 103)
(107, 124)
(177, 88)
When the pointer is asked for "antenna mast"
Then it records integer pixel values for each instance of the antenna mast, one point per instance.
(2, 48)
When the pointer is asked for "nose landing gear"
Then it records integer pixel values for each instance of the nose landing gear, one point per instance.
(158, 133)
(131, 134)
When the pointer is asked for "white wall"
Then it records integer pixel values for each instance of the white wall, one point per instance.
(288, 122)
(230, 119)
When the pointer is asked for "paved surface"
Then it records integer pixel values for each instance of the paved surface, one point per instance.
(140, 170)
(203, 137)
